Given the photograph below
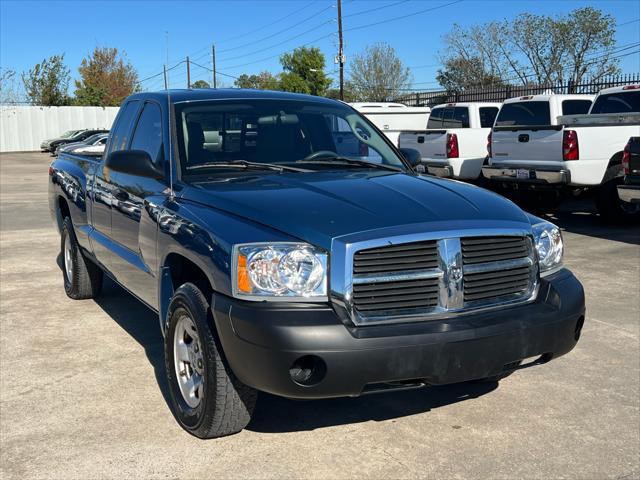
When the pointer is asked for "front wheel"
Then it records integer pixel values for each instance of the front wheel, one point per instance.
(207, 398)
(82, 277)
(611, 208)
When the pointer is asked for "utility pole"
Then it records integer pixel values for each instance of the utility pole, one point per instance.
(164, 70)
(213, 62)
(188, 74)
(340, 50)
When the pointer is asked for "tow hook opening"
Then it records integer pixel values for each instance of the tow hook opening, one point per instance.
(308, 370)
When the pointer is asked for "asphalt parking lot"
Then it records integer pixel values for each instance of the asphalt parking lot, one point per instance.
(82, 391)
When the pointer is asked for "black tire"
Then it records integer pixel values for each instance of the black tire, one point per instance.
(611, 208)
(226, 404)
(85, 279)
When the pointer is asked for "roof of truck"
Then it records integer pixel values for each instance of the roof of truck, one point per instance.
(619, 89)
(201, 94)
(545, 97)
(468, 104)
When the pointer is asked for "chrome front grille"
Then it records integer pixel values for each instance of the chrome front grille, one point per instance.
(399, 281)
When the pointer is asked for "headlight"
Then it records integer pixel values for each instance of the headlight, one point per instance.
(548, 239)
(279, 271)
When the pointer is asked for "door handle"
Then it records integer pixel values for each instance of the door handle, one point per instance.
(121, 194)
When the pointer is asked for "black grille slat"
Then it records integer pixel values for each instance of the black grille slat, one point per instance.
(395, 291)
(397, 305)
(492, 288)
(396, 258)
(399, 248)
(497, 283)
(393, 285)
(397, 298)
(397, 295)
(493, 293)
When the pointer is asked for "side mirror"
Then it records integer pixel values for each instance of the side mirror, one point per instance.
(133, 162)
(412, 156)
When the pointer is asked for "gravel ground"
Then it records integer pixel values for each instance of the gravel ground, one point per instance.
(82, 390)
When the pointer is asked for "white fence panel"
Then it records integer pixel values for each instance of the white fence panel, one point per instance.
(22, 129)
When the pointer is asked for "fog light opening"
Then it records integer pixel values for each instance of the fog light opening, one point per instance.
(578, 329)
(308, 371)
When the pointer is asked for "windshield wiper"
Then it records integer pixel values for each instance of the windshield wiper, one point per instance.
(247, 165)
(329, 159)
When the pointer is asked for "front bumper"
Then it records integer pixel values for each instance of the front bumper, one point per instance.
(262, 341)
(527, 175)
(629, 193)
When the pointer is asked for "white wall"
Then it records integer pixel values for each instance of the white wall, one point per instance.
(22, 129)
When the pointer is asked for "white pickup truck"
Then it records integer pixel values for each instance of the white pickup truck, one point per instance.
(455, 141)
(394, 118)
(537, 143)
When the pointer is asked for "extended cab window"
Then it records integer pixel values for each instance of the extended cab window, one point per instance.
(487, 116)
(524, 113)
(270, 131)
(620, 102)
(457, 117)
(148, 133)
(435, 119)
(126, 116)
(575, 107)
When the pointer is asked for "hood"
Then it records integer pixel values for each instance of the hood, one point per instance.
(318, 207)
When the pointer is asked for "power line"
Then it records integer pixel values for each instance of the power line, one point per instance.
(419, 12)
(260, 40)
(375, 9)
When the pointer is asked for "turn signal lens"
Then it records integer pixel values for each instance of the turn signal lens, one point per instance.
(244, 284)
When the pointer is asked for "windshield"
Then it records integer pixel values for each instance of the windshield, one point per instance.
(620, 102)
(68, 133)
(276, 132)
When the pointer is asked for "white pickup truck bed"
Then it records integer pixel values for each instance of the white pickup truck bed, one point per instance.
(455, 141)
(534, 142)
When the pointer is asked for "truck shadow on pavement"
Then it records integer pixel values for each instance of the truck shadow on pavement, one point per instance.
(276, 414)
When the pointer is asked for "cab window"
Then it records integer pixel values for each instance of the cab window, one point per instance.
(126, 116)
(148, 133)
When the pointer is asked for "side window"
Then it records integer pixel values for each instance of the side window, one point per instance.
(123, 126)
(487, 116)
(575, 107)
(435, 119)
(148, 133)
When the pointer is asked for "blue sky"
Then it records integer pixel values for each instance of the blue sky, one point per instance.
(251, 34)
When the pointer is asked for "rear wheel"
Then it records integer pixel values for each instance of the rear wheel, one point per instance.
(82, 277)
(207, 398)
(611, 208)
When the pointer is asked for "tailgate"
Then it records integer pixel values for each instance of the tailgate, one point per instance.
(432, 144)
(522, 143)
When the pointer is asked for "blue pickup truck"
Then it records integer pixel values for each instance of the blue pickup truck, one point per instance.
(277, 264)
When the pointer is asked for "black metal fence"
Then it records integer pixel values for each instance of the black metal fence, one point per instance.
(431, 98)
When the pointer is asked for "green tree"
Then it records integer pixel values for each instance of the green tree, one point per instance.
(200, 84)
(304, 71)
(462, 73)
(47, 83)
(531, 49)
(262, 81)
(106, 78)
(378, 74)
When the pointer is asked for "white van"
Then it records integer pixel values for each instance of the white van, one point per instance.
(393, 118)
